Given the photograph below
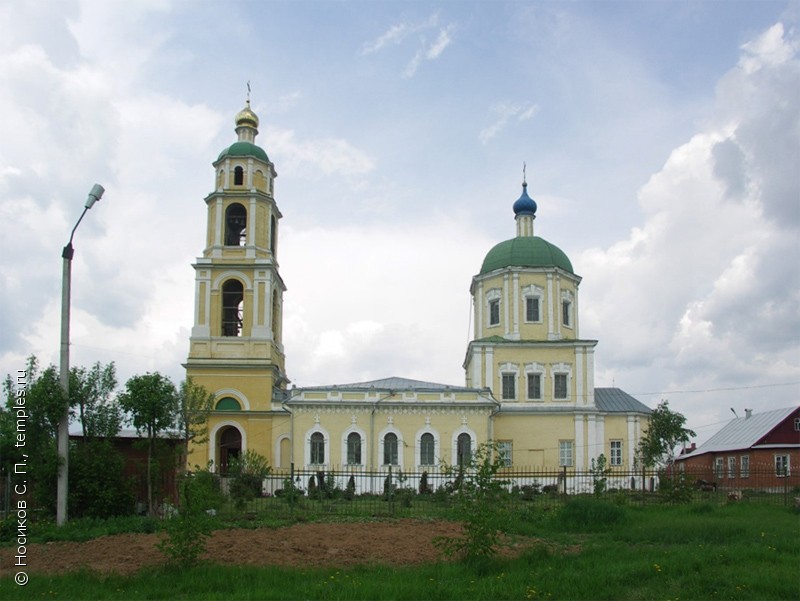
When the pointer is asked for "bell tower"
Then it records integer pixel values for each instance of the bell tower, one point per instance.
(236, 351)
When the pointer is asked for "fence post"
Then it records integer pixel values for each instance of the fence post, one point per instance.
(390, 491)
(293, 490)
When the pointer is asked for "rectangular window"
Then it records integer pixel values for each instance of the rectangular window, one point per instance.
(616, 452)
(781, 466)
(560, 389)
(532, 309)
(509, 386)
(535, 386)
(565, 453)
(566, 310)
(505, 449)
(494, 312)
(719, 467)
(731, 467)
(744, 466)
(797, 424)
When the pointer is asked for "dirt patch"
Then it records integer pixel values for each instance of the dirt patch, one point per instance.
(399, 542)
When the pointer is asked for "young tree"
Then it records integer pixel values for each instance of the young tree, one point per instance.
(194, 405)
(666, 431)
(152, 402)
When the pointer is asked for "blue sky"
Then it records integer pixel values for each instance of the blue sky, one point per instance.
(661, 140)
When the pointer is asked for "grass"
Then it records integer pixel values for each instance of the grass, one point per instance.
(588, 550)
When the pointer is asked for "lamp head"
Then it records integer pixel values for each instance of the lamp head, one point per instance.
(94, 195)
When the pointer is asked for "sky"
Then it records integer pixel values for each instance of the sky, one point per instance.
(661, 141)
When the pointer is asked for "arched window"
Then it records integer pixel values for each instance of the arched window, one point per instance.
(230, 448)
(427, 449)
(232, 308)
(464, 449)
(228, 404)
(238, 176)
(390, 449)
(317, 448)
(235, 225)
(353, 448)
(272, 233)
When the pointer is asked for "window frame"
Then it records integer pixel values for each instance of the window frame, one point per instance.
(533, 301)
(426, 447)
(391, 450)
(463, 458)
(494, 312)
(557, 377)
(354, 448)
(505, 451)
(744, 466)
(508, 384)
(615, 453)
(719, 467)
(317, 448)
(731, 467)
(566, 453)
(536, 377)
(782, 461)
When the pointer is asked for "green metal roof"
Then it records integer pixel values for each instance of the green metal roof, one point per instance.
(244, 149)
(526, 251)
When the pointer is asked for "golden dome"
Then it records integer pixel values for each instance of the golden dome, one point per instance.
(246, 117)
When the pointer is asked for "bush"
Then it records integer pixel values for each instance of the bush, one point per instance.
(97, 484)
(247, 473)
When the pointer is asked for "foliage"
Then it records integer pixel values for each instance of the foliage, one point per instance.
(676, 488)
(151, 401)
(600, 472)
(185, 534)
(477, 496)
(665, 431)
(90, 394)
(97, 483)
(424, 487)
(194, 404)
(247, 473)
(350, 489)
(35, 403)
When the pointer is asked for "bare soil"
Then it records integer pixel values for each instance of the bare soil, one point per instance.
(398, 542)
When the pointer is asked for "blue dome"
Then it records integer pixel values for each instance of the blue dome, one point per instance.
(525, 205)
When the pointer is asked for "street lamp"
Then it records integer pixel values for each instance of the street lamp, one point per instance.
(63, 426)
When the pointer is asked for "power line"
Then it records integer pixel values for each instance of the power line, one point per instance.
(665, 392)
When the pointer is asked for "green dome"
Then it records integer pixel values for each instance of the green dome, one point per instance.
(525, 251)
(243, 149)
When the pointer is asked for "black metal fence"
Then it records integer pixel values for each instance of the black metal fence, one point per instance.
(393, 492)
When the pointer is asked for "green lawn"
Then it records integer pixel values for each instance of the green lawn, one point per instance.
(738, 551)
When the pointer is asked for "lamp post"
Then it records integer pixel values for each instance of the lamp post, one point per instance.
(63, 426)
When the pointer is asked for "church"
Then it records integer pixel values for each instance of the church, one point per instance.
(529, 376)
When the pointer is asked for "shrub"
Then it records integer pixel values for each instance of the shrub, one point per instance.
(424, 488)
(247, 473)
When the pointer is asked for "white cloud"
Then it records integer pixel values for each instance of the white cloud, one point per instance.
(704, 294)
(506, 113)
(328, 155)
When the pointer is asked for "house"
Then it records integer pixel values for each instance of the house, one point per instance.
(757, 451)
(529, 375)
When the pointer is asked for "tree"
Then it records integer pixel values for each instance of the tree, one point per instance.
(194, 405)
(36, 421)
(151, 401)
(666, 431)
(90, 394)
